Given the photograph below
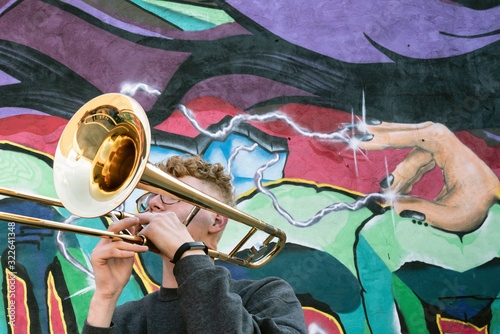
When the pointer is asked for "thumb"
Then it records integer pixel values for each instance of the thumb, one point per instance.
(446, 217)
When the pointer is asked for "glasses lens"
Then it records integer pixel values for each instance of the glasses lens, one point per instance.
(169, 200)
(143, 201)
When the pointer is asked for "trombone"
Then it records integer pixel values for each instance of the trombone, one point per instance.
(102, 156)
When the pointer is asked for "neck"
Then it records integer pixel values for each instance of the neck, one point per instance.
(168, 280)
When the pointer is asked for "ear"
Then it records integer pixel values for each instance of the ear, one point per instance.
(218, 224)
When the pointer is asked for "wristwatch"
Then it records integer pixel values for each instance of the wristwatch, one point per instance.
(189, 246)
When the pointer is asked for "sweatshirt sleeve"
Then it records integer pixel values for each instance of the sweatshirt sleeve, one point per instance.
(89, 329)
(208, 305)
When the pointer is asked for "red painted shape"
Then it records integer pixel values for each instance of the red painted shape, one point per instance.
(56, 320)
(38, 132)
(319, 322)
(451, 326)
(18, 306)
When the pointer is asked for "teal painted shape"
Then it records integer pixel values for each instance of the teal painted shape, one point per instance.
(376, 281)
(181, 20)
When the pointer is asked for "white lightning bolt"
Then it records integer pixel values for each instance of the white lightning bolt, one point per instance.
(62, 248)
(356, 205)
(340, 135)
(344, 135)
(132, 88)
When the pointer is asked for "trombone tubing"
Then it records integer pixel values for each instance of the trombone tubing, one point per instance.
(48, 224)
(51, 201)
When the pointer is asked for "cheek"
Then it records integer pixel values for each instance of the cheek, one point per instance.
(197, 230)
(182, 210)
(202, 220)
(205, 215)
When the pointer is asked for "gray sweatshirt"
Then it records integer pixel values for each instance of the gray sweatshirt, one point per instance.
(209, 301)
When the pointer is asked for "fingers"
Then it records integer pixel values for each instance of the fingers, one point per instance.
(392, 135)
(116, 249)
(131, 224)
(429, 136)
(145, 218)
(397, 127)
(416, 164)
(165, 231)
(167, 221)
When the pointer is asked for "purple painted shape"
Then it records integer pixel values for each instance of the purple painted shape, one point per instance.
(7, 5)
(492, 136)
(7, 112)
(6, 79)
(411, 28)
(105, 60)
(242, 91)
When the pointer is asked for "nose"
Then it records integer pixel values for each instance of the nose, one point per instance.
(155, 204)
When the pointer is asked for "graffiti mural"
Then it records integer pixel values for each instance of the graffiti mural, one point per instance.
(368, 131)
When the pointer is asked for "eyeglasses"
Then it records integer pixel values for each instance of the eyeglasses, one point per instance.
(143, 201)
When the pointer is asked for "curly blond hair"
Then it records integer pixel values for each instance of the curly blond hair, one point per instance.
(212, 173)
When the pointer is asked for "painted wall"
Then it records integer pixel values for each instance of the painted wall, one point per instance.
(368, 131)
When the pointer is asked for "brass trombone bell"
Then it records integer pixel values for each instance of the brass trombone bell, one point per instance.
(102, 156)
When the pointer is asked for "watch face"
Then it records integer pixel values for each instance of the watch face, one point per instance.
(197, 245)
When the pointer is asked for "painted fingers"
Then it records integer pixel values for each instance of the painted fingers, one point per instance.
(469, 189)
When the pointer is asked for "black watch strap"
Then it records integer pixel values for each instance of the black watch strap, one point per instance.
(188, 246)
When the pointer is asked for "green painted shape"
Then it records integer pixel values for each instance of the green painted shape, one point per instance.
(186, 17)
(410, 306)
(495, 316)
(80, 297)
(400, 240)
(26, 172)
(334, 233)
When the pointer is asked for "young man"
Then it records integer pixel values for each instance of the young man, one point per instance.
(196, 296)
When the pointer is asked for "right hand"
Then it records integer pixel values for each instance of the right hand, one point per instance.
(112, 261)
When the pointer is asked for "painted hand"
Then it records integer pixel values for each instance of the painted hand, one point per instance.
(470, 186)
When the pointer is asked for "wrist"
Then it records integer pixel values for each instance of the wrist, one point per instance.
(106, 297)
(192, 252)
(101, 310)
